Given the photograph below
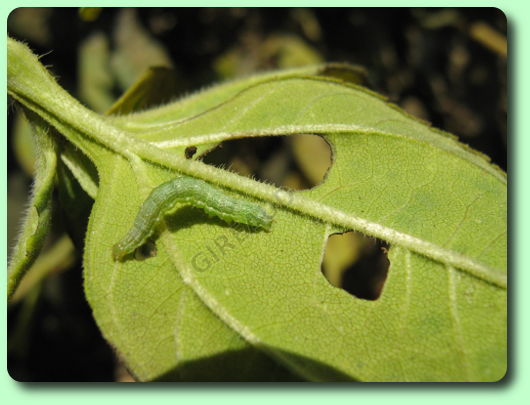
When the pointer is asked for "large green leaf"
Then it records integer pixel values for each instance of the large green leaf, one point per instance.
(215, 293)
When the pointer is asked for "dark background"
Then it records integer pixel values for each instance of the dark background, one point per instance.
(428, 61)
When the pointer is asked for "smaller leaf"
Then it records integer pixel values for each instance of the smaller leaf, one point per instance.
(345, 72)
(313, 155)
(342, 251)
(23, 145)
(136, 49)
(89, 13)
(38, 217)
(95, 79)
(279, 51)
(157, 85)
(55, 259)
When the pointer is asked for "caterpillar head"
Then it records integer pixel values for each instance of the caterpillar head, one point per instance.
(258, 218)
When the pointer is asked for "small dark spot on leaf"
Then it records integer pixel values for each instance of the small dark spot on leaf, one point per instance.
(190, 151)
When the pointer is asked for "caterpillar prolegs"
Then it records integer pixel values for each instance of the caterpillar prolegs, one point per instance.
(194, 192)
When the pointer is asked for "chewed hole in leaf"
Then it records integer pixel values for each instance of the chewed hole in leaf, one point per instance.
(356, 263)
(146, 251)
(296, 162)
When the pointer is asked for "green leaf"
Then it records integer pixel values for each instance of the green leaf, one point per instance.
(136, 49)
(58, 257)
(156, 86)
(281, 51)
(95, 79)
(38, 217)
(89, 13)
(23, 143)
(214, 290)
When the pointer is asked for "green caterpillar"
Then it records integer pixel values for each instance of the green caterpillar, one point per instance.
(191, 191)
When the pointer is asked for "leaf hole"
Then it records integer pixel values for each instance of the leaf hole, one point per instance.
(146, 251)
(295, 162)
(356, 263)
